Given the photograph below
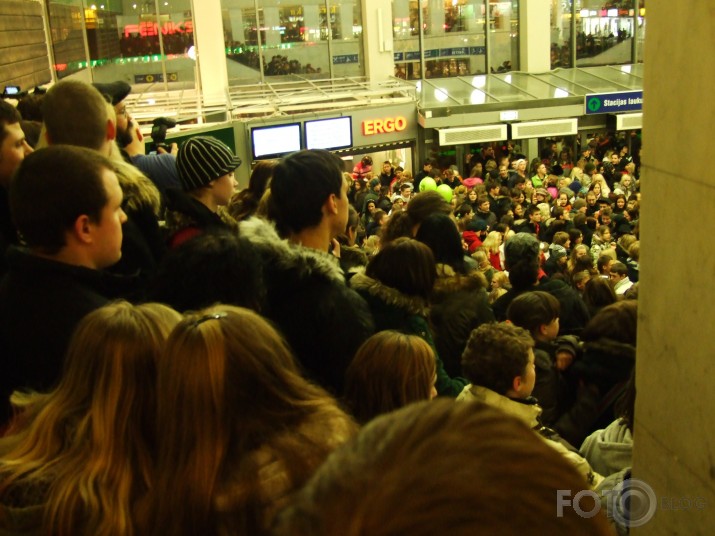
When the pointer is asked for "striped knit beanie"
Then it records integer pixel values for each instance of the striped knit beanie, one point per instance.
(203, 159)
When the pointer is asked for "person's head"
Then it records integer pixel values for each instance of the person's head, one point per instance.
(440, 234)
(472, 196)
(206, 166)
(97, 425)
(405, 265)
(427, 165)
(389, 371)
(216, 266)
(604, 233)
(366, 161)
(386, 167)
(604, 263)
(115, 93)
(500, 280)
(619, 272)
(618, 322)
(308, 190)
(606, 215)
(13, 145)
(561, 238)
(580, 276)
(67, 200)
(227, 385)
(500, 357)
(575, 237)
(75, 113)
(598, 293)
(521, 259)
(620, 202)
(534, 214)
(537, 312)
(389, 480)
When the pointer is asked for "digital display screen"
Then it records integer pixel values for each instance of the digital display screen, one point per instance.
(329, 133)
(275, 141)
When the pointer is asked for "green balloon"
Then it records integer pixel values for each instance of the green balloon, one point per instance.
(445, 191)
(427, 184)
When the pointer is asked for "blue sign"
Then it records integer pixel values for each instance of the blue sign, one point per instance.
(440, 53)
(607, 103)
(345, 58)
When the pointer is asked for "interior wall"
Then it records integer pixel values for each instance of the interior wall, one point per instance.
(674, 451)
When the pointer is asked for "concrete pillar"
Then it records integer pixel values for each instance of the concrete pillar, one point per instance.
(436, 17)
(311, 20)
(236, 18)
(345, 20)
(474, 16)
(211, 55)
(377, 40)
(535, 36)
(271, 21)
(674, 451)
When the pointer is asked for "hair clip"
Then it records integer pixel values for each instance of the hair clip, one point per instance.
(211, 316)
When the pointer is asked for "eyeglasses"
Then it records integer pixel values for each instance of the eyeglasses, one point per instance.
(205, 318)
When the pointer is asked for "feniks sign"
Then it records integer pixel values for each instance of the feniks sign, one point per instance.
(606, 103)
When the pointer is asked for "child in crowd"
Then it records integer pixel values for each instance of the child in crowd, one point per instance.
(538, 313)
(390, 370)
(500, 285)
(499, 363)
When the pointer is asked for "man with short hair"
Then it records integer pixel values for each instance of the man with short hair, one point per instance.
(387, 175)
(619, 278)
(323, 320)
(67, 204)
(159, 167)
(13, 149)
(426, 172)
(75, 113)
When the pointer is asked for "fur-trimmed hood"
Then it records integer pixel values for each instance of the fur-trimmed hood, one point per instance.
(284, 256)
(372, 287)
(184, 211)
(448, 282)
(138, 189)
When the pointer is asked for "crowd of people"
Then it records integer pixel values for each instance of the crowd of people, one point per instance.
(181, 358)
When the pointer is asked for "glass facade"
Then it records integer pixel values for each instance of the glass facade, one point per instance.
(457, 37)
(144, 42)
(316, 38)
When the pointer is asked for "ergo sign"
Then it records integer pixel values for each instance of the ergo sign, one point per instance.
(384, 126)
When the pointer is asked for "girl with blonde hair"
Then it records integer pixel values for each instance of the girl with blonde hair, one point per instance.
(78, 459)
(491, 244)
(241, 429)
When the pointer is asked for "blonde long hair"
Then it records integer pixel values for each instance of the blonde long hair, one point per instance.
(87, 445)
(228, 388)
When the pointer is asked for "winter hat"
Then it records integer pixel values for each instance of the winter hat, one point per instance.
(557, 251)
(374, 182)
(477, 225)
(117, 91)
(203, 159)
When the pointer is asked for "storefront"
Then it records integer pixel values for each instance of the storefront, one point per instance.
(381, 132)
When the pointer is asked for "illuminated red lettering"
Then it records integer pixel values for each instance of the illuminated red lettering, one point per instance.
(384, 126)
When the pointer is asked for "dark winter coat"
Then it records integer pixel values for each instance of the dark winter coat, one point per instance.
(458, 305)
(392, 309)
(597, 380)
(308, 300)
(187, 217)
(41, 302)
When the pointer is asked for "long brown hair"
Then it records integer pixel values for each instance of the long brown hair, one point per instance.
(228, 387)
(90, 440)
